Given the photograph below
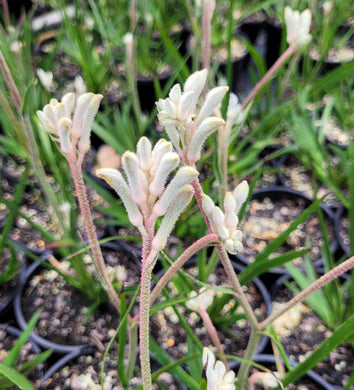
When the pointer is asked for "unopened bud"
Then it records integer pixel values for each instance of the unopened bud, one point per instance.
(143, 151)
(167, 164)
(130, 164)
(184, 176)
(115, 179)
(179, 204)
(84, 142)
(64, 127)
(206, 128)
(240, 195)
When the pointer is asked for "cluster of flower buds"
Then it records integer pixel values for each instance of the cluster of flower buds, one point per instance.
(186, 128)
(202, 300)
(217, 376)
(224, 224)
(144, 192)
(69, 122)
(297, 27)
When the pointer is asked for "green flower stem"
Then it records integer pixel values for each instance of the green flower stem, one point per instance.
(268, 76)
(186, 255)
(229, 269)
(319, 283)
(133, 343)
(248, 356)
(144, 319)
(76, 172)
(214, 335)
(225, 260)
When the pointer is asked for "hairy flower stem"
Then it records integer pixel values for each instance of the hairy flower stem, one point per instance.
(76, 172)
(252, 345)
(268, 76)
(144, 319)
(213, 334)
(319, 283)
(208, 10)
(225, 260)
(185, 256)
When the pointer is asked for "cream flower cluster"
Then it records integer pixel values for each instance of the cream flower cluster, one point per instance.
(187, 125)
(224, 224)
(217, 376)
(69, 122)
(202, 300)
(297, 27)
(144, 192)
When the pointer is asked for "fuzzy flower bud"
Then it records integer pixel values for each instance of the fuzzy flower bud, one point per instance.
(240, 195)
(185, 175)
(186, 126)
(297, 27)
(206, 128)
(179, 204)
(200, 301)
(225, 224)
(115, 179)
(52, 121)
(217, 376)
(130, 164)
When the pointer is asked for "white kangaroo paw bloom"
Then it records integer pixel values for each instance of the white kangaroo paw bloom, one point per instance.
(201, 300)
(297, 27)
(91, 111)
(79, 114)
(81, 122)
(115, 179)
(235, 114)
(208, 205)
(185, 106)
(240, 195)
(206, 128)
(212, 101)
(229, 203)
(231, 221)
(143, 151)
(184, 176)
(64, 127)
(69, 102)
(130, 164)
(179, 204)
(168, 163)
(217, 376)
(195, 82)
(59, 111)
(161, 148)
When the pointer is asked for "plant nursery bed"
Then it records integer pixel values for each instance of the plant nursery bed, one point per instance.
(82, 370)
(300, 332)
(270, 213)
(8, 337)
(64, 318)
(166, 329)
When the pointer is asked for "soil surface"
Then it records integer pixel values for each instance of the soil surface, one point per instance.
(301, 331)
(64, 318)
(266, 218)
(167, 330)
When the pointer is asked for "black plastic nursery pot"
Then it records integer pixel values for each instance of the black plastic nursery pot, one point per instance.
(166, 330)
(310, 381)
(295, 175)
(84, 366)
(8, 291)
(69, 319)
(341, 224)
(8, 337)
(301, 330)
(270, 212)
